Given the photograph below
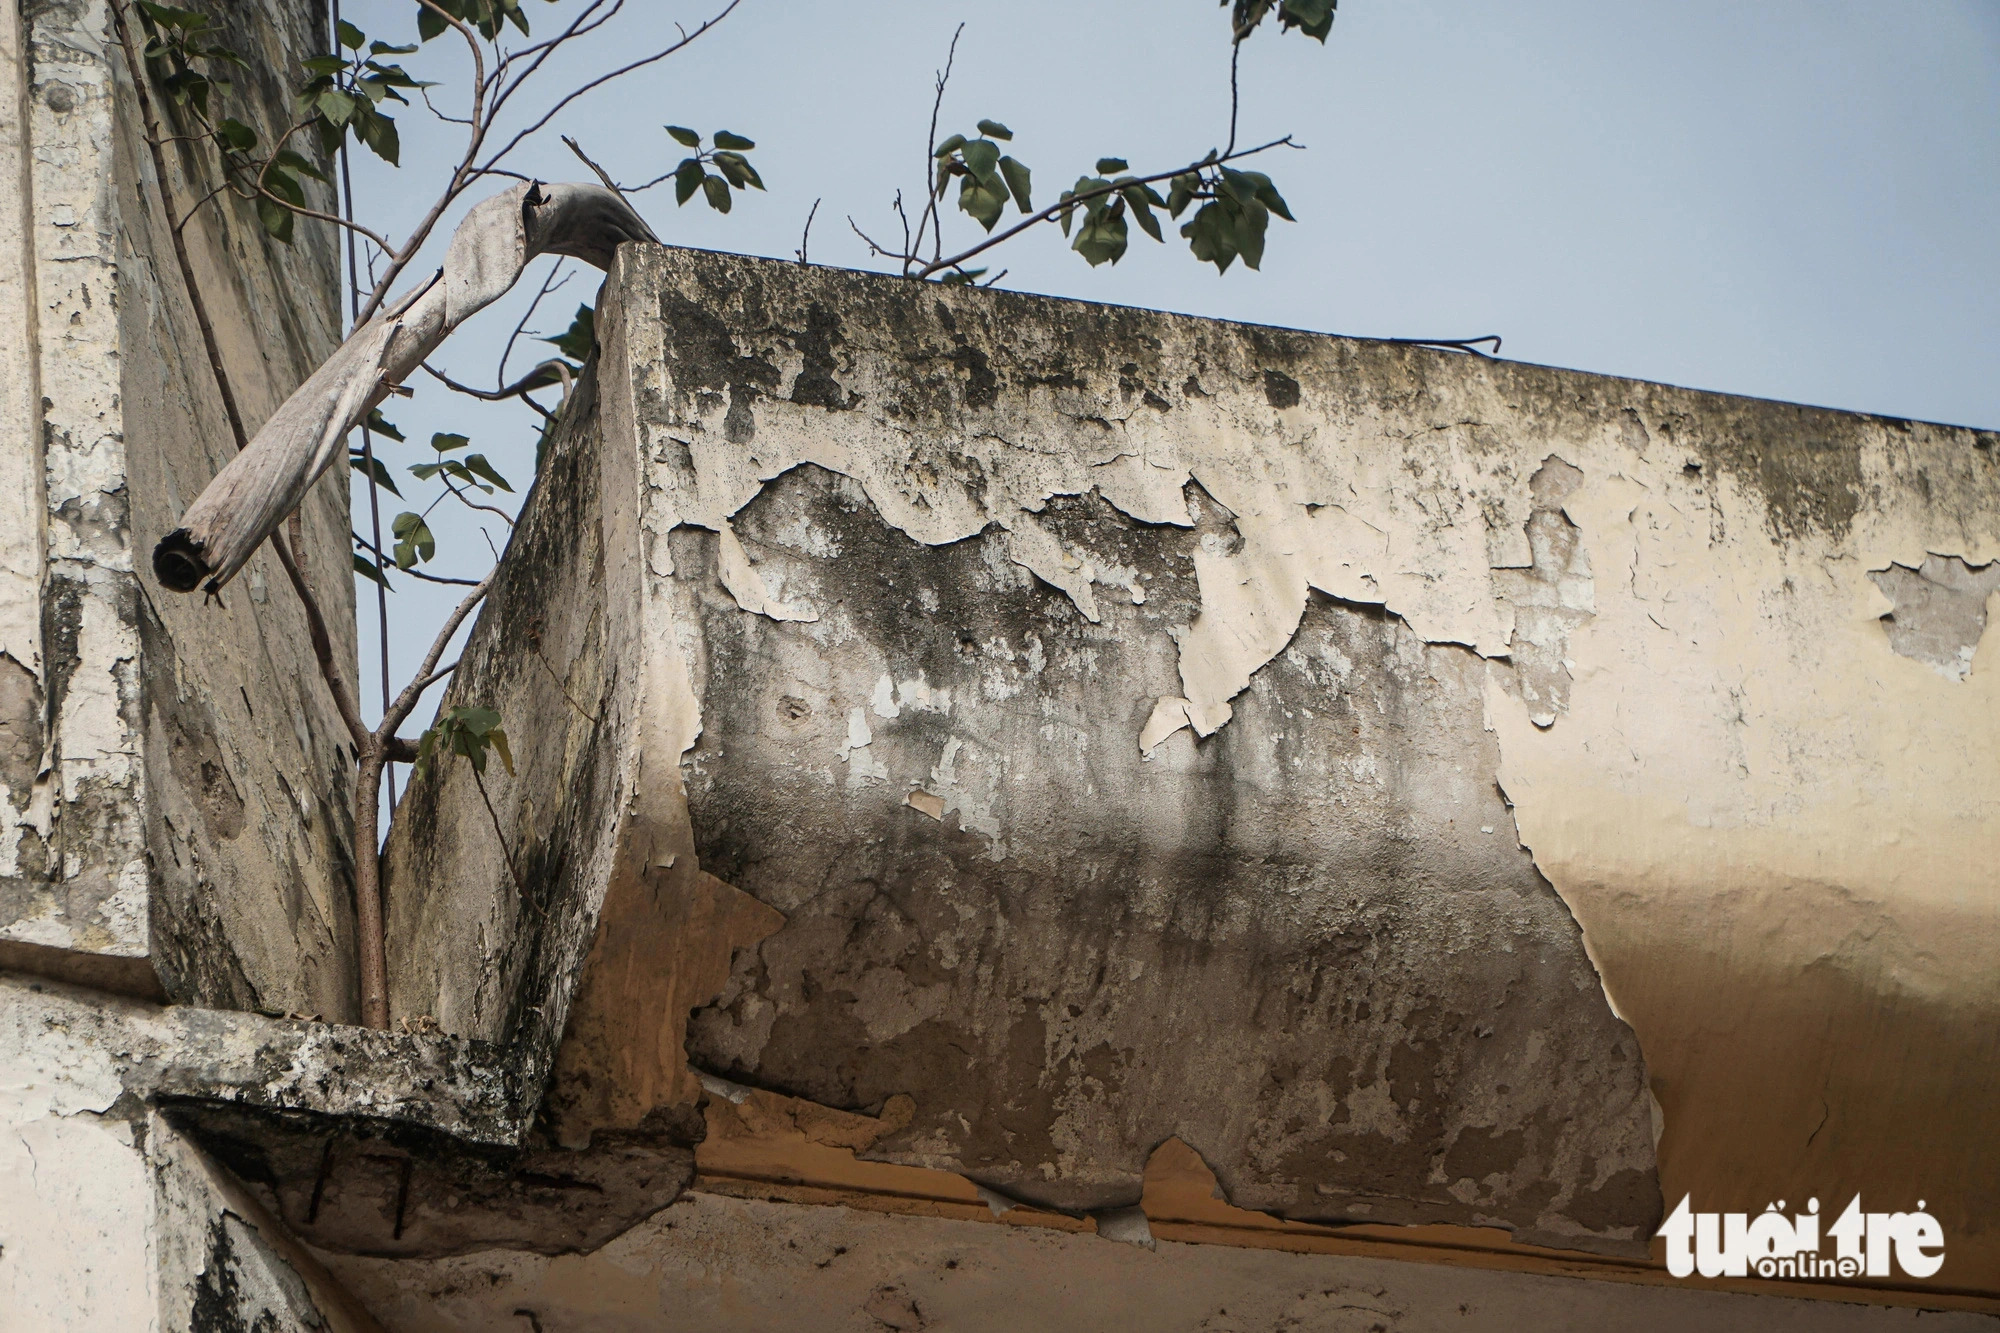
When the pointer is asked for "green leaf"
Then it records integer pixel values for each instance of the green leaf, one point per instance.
(414, 542)
(982, 200)
(576, 342)
(717, 190)
(379, 133)
(324, 65)
(425, 471)
(1267, 195)
(1107, 165)
(1017, 177)
(1314, 18)
(735, 142)
(352, 37)
(477, 464)
(1210, 240)
(277, 219)
(285, 186)
(687, 179)
(1249, 224)
(1103, 236)
(188, 86)
(1140, 199)
(287, 158)
(684, 136)
(468, 731)
(738, 169)
(498, 739)
(982, 158)
(185, 20)
(336, 106)
(993, 129)
(368, 569)
(445, 443)
(381, 425)
(949, 146)
(236, 134)
(384, 49)
(359, 462)
(429, 24)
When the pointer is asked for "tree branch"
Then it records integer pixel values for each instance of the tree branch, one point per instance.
(393, 716)
(1035, 219)
(931, 191)
(400, 259)
(597, 82)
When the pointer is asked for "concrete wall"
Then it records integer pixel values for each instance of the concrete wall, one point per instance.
(173, 807)
(1096, 726)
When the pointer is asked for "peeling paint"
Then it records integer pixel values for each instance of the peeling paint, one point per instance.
(1941, 610)
(1382, 595)
(152, 831)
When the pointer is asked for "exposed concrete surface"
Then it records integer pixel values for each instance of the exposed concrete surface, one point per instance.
(713, 1263)
(1291, 945)
(1942, 607)
(183, 809)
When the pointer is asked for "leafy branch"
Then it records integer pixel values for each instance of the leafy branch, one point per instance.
(1098, 210)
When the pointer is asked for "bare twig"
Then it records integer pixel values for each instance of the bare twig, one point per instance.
(602, 174)
(596, 83)
(806, 236)
(435, 677)
(151, 115)
(869, 241)
(1235, 50)
(470, 503)
(393, 716)
(425, 93)
(460, 177)
(520, 388)
(506, 851)
(932, 193)
(549, 284)
(502, 89)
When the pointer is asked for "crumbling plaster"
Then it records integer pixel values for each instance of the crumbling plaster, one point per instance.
(116, 1218)
(1752, 805)
(174, 813)
(1769, 823)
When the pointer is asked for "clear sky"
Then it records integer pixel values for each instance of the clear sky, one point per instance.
(1795, 199)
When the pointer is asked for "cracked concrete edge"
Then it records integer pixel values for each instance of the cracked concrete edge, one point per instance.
(93, 1050)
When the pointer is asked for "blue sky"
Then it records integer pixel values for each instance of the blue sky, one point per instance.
(1789, 200)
